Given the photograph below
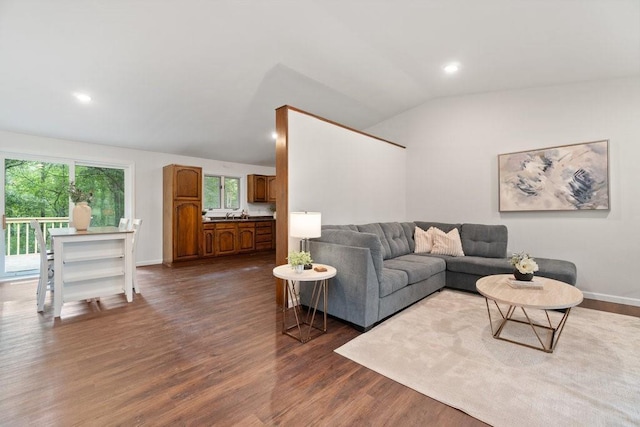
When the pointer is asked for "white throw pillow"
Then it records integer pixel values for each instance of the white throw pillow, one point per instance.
(447, 243)
(424, 240)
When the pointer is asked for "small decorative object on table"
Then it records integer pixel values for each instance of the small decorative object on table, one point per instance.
(298, 260)
(81, 213)
(524, 265)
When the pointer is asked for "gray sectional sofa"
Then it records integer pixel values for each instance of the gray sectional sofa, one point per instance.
(379, 274)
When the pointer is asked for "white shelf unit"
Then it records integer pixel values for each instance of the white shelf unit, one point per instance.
(92, 265)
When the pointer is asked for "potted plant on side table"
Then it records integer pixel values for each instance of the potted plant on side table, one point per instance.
(298, 259)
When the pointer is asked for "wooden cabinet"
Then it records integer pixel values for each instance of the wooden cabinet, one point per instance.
(261, 188)
(246, 233)
(208, 240)
(235, 237)
(182, 213)
(226, 238)
(271, 189)
(264, 237)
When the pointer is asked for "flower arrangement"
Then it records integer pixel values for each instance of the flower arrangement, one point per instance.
(524, 263)
(77, 195)
(299, 258)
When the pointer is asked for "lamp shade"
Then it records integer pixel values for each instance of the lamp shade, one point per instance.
(305, 224)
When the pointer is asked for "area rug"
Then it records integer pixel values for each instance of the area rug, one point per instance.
(442, 347)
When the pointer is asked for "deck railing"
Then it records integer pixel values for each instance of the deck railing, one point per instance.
(21, 238)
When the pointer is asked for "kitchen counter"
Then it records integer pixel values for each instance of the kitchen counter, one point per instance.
(251, 218)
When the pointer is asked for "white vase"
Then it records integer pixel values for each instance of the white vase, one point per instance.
(299, 268)
(81, 216)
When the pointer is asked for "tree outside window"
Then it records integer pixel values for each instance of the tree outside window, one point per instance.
(221, 192)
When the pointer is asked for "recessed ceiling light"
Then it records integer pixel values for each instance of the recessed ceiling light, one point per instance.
(82, 97)
(451, 68)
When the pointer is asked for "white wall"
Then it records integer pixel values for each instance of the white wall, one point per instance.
(349, 177)
(148, 178)
(452, 148)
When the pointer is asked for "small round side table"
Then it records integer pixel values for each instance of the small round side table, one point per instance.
(321, 281)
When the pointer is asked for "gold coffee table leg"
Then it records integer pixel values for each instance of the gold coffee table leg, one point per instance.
(554, 331)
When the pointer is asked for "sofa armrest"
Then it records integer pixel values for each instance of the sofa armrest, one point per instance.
(354, 293)
(357, 239)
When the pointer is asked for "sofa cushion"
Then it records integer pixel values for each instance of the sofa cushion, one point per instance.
(484, 240)
(396, 238)
(423, 240)
(375, 228)
(339, 227)
(425, 225)
(447, 243)
(479, 266)
(409, 228)
(418, 268)
(565, 271)
(392, 280)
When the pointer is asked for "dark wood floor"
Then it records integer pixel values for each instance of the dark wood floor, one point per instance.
(201, 346)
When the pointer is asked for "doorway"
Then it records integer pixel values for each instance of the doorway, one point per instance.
(38, 189)
(33, 189)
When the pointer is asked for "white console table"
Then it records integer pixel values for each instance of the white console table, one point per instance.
(91, 264)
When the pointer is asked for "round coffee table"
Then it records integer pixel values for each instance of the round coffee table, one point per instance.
(549, 294)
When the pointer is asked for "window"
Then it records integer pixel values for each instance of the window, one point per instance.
(107, 185)
(221, 192)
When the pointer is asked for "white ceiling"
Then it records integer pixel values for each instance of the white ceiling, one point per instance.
(202, 77)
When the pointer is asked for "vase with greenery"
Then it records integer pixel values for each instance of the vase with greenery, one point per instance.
(297, 260)
(524, 266)
(81, 213)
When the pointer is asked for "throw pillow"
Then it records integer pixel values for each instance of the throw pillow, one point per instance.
(447, 243)
(424, 240)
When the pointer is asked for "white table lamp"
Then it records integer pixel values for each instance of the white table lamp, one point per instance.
(305, 225)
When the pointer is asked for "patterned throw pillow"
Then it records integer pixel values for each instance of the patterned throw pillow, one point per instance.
(447, 243)
(424, 240)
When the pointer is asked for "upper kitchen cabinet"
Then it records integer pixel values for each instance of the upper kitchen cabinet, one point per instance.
(182, 213)
(187, 182)
(261, 189)
(271, 189)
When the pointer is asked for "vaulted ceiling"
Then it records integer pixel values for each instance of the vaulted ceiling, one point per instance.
(202, 77)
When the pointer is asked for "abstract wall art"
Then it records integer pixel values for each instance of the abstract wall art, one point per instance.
(569, 177)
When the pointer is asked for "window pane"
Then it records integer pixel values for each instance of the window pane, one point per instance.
(33, 189)
(211, 192)
(36, 189)
(107, 186)
(232, 193)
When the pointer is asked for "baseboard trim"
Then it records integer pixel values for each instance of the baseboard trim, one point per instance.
(612, 298)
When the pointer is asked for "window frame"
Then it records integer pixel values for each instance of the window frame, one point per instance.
(223, 209)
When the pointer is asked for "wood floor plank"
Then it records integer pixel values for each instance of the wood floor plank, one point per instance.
(200, 346)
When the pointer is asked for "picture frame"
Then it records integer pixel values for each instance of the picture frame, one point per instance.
(563, 178)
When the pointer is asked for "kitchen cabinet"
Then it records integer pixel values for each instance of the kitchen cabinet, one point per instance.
(271, 189)
(261, 188)
(182, 213)
(226, 238)
(264, 235)
(246, 233)
(208, 240)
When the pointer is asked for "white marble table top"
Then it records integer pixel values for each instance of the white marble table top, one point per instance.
(553, 295)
